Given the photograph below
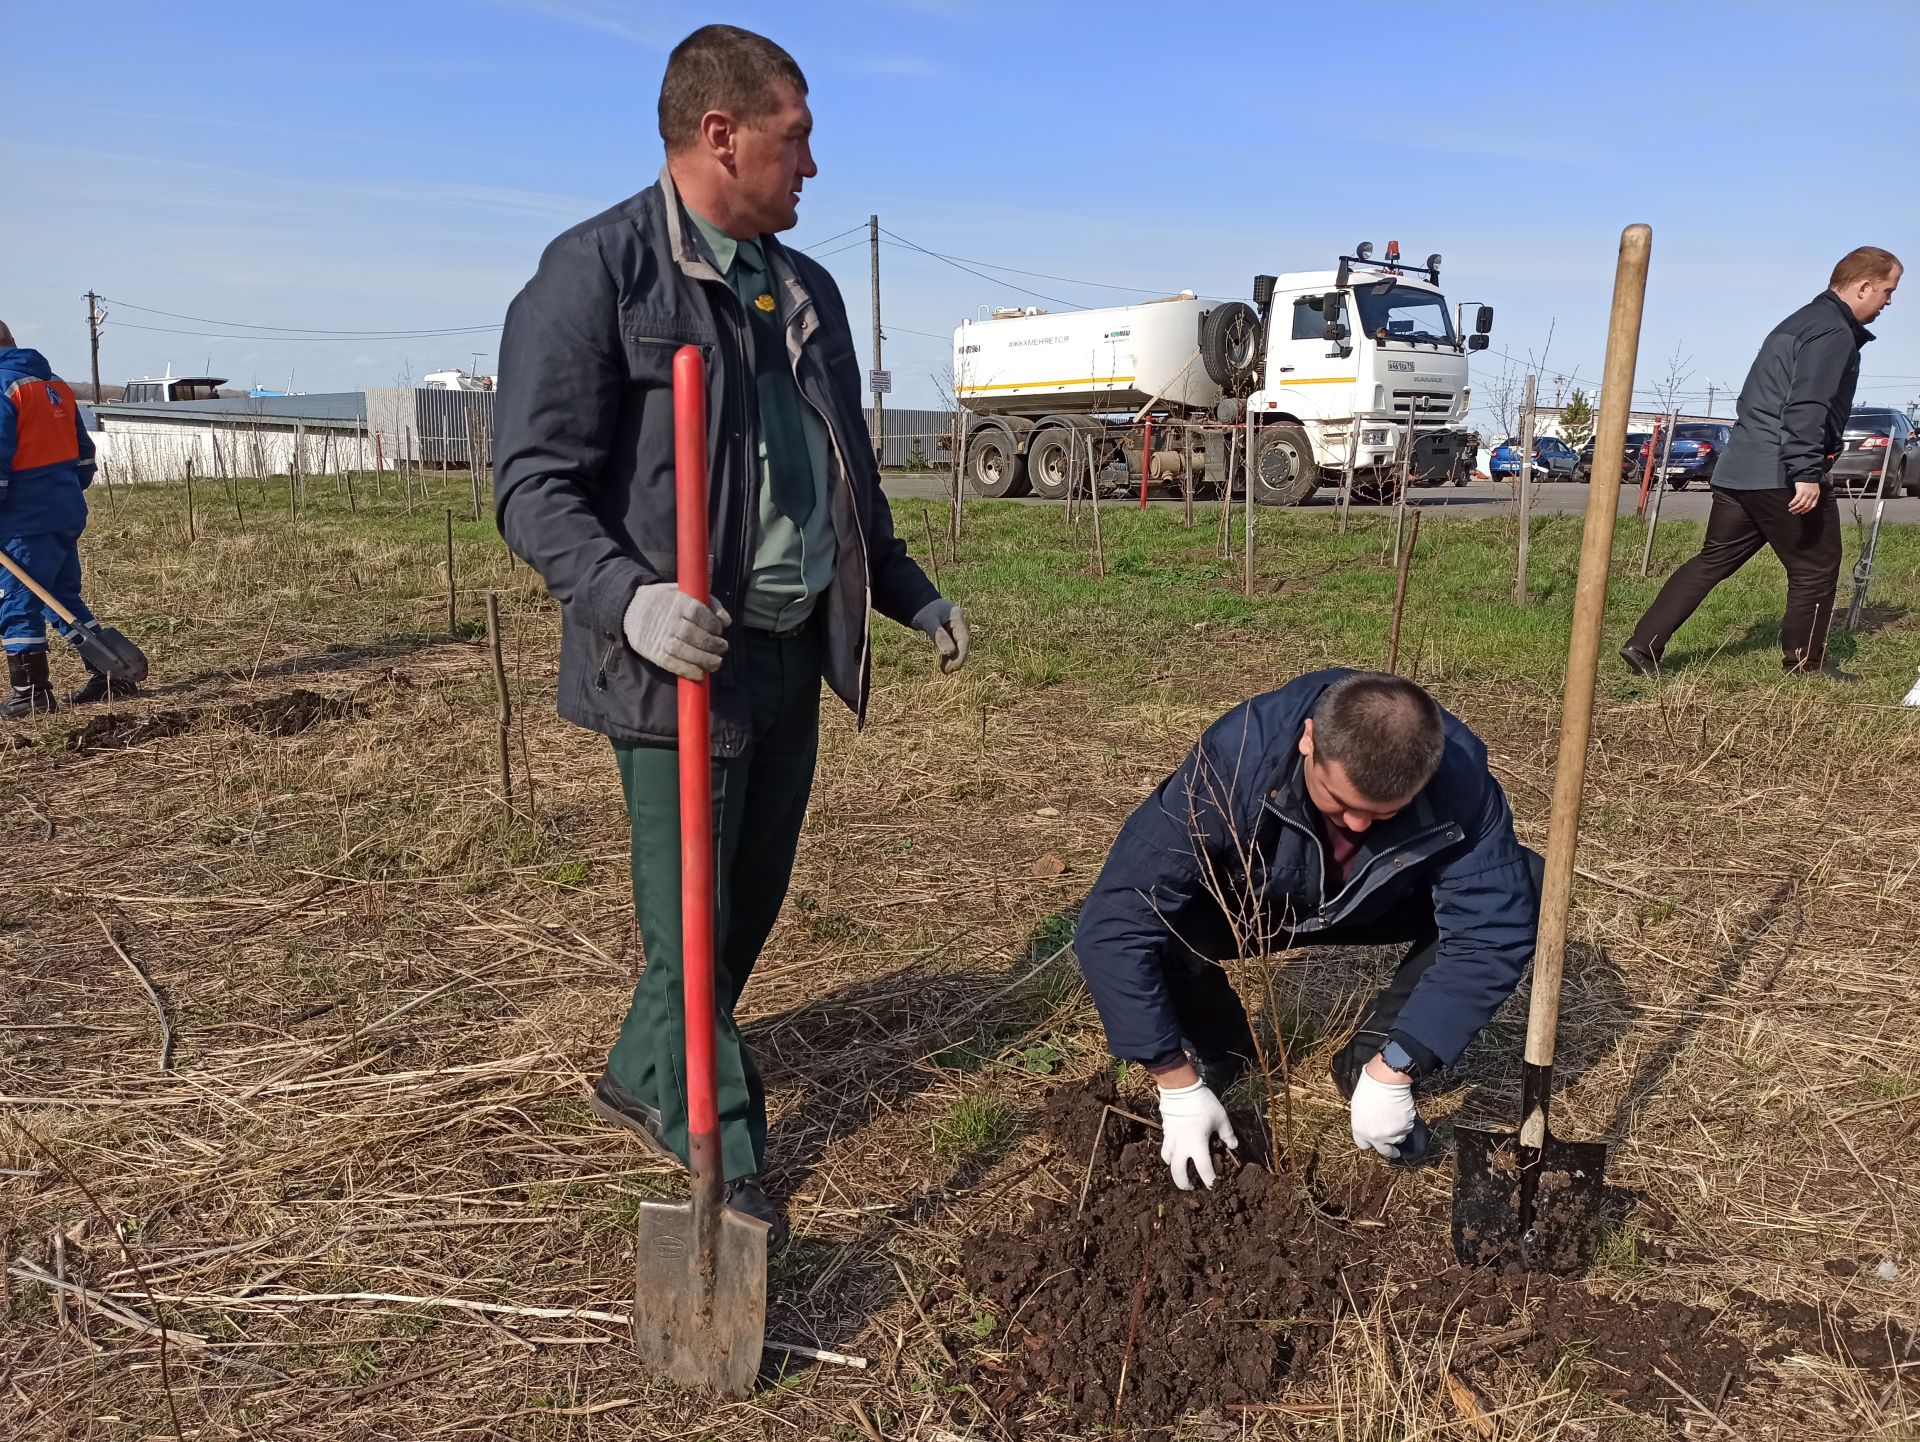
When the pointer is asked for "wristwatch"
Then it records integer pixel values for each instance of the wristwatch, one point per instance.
(1399, 1058)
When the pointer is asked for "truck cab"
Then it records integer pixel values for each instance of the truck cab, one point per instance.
(1360, 363)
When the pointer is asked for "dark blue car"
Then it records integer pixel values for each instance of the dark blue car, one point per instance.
(1695, 453)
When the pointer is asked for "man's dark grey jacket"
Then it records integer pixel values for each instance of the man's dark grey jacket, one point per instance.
(1795, 403)
(583, 455)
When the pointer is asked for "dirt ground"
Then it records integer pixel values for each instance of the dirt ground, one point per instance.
(299, 1019)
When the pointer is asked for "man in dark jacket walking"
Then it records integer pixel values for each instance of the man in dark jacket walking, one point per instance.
(46, 465)
(802, 541)
(1770, 487)
(1345, 809)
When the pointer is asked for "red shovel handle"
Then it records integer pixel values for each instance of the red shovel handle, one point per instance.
(696, 775)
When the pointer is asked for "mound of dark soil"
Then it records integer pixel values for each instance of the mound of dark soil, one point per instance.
(286, 715)
(1147, 1302)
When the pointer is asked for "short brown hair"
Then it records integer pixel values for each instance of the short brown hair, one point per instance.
(1383, 730)
(722, 67)
(1868, 262)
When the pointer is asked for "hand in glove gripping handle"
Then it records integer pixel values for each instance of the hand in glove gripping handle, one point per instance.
(674, 631)
(1190, 1118)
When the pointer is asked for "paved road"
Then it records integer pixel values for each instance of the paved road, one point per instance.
(1485, 497)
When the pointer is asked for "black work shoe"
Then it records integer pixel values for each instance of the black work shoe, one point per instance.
(744, 1194)
(614, 1104)
(32, 693)
(99, 686)
(1639, 659)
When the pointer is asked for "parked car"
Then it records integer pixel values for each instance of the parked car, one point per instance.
(1553, 459)
(1694, 454)
(1629, 458)
(1877, 436)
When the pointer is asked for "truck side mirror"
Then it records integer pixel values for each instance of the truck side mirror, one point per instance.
(1483, 321)
(1477, 342)
(1334, 331)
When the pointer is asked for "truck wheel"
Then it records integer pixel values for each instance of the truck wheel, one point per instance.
(1230, 344)
(994, 468)
(1050, 463)
(1284, 471)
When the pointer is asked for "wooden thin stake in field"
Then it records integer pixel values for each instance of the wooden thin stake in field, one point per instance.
(1252, 452)
(473, 461)
(1093, 497)
(1400, 593)
(933, 555)
(453, 609)
(192, 535)
(502, 696)
(1653, 516)
(1186, 473)
(953, 514)
(1346, 480)
(1524, 498)
(1405, 483)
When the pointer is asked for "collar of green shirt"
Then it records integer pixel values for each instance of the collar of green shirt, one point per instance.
(722, 248)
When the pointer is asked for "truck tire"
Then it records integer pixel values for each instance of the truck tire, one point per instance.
(1230, 345)
(994, 468)
(1284, 470)
(1050, 462)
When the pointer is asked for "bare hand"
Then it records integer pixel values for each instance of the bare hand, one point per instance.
(1806, 495)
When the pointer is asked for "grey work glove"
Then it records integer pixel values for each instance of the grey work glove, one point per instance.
(1190, 1118)
(671, 629)
(940, 620)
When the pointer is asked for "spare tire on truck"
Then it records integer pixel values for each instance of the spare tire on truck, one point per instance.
(1230, 345)
(994, 466)
(1284, 470)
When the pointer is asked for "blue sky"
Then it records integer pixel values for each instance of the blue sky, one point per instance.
(398, 167)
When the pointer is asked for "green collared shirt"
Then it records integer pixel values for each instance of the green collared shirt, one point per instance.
(793, 562)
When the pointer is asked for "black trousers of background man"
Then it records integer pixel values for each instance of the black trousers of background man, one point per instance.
(1740, 523)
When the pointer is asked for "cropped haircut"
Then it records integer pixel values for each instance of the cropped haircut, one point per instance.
(1868, 262)
(722, 67)
(1383, 730)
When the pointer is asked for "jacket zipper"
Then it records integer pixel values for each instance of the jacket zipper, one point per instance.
(1354, 890)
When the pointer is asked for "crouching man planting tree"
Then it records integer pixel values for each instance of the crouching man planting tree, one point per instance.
(1345, 809)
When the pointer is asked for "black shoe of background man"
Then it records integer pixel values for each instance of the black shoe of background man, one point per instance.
(1639, 659)
(745, 1194)
(32, 693)
(99, 686)
(615, 1104)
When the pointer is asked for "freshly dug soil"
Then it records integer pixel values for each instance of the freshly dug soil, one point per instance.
(1147, 1302)
(288, 715)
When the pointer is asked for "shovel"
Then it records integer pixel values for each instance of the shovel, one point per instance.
(1529, 1197)
(103, 649)
(700, 1267)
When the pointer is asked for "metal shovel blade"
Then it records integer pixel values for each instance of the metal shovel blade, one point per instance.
(108, 651)
(701, 1332)
(1535, 1206)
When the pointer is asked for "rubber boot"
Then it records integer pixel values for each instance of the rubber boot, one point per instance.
(32, 687)
(99, 686)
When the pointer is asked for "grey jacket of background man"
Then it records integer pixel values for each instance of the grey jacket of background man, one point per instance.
(1795, 403)
(583, 452)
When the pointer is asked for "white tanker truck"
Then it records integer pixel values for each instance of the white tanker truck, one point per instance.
(1332, 366)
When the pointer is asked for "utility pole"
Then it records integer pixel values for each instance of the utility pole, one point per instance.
(1710, 390)
(879, 416)
(94, 317)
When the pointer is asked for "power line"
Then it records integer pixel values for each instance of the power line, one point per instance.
(957, 265)
(411, 333)
(1043, 275)
(813, 245)
(253, 335)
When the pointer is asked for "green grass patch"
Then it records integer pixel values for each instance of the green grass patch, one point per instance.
(976, 1126)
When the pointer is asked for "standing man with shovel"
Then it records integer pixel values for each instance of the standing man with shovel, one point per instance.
(801, 540)
(46, 465)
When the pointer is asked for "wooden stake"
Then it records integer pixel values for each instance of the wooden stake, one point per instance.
(1400, 593)
(1524, 498)
(1583, 654)
(1093, 495)
(1252, 434)
(503, 696)
(1659, 485)
(933, 556)
(453, 610)
(192, 535)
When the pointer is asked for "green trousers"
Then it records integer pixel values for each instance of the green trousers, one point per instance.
(759, 802)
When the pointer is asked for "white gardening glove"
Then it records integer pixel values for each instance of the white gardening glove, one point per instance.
(671, 629)
(1383, 1115)
(1190, 1118)
(940, 620)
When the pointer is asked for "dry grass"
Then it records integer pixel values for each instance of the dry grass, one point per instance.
(389, 997)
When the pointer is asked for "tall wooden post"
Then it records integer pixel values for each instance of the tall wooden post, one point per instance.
(879, 410)
(1525, 498)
